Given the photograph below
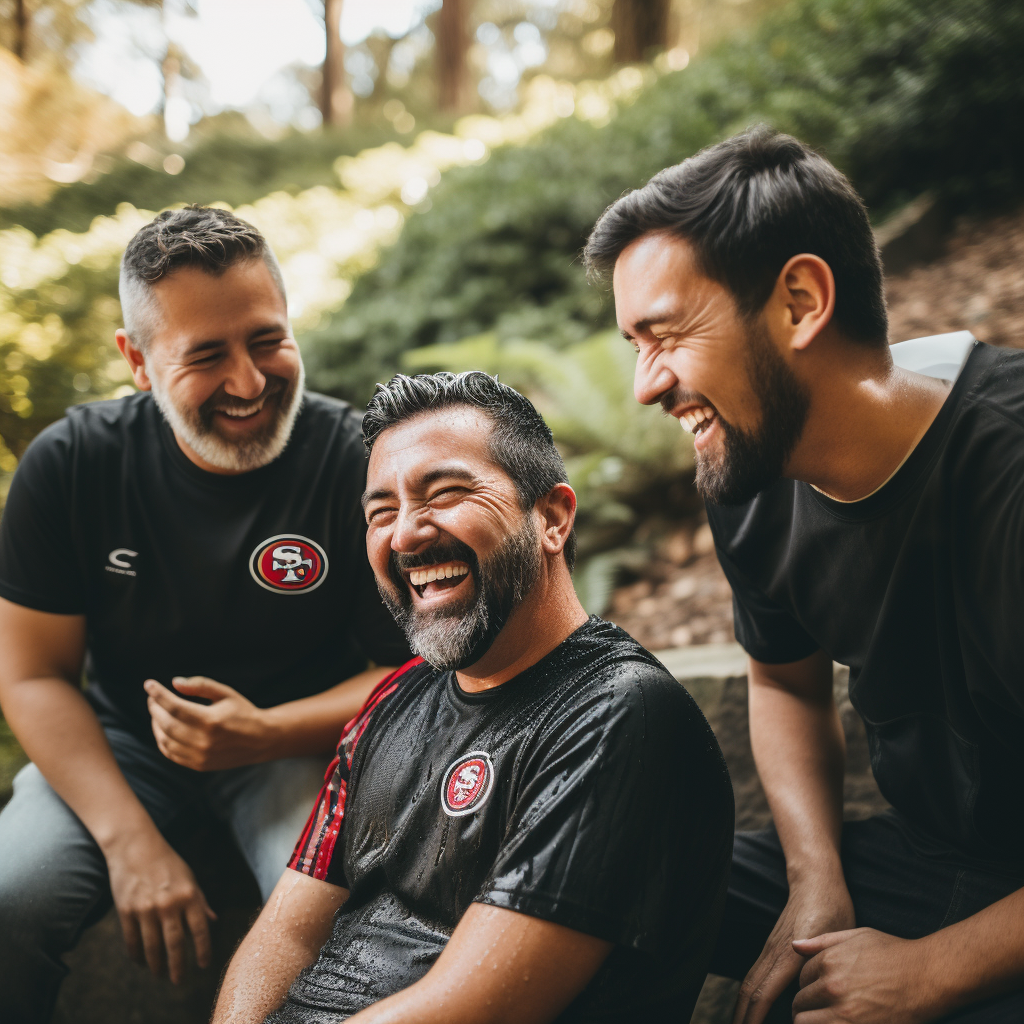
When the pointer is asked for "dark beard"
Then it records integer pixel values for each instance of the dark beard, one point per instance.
(461, 634)
(754, 460)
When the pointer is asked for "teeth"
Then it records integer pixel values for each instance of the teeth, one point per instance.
(420, 577)
(693, 418)
(241, 413)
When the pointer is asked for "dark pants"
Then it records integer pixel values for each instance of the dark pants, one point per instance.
(894, 889)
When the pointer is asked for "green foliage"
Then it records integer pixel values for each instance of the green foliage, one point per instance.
(904, 95)
(232, 168)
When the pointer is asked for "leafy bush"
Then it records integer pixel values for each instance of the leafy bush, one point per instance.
(904, 95)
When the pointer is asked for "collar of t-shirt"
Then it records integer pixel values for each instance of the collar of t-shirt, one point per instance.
(917, 461)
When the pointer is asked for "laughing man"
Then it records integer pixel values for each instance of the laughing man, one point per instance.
(529, 822)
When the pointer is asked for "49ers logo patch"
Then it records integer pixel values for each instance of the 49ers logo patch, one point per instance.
(467, 784)
(288, 564)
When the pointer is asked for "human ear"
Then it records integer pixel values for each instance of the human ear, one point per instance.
(557, 512)
(804, 299)
(134, 357)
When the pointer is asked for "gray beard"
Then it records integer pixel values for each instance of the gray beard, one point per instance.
(233, 456)
(460, 635)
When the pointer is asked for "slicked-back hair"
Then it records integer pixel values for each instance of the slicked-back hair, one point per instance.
(203, 237)
(746, 206)
(521, 443)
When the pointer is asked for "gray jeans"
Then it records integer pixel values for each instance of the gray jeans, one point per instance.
(53, 877)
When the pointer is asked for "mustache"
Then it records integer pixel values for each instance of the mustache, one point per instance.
(677, 396)
(220, 399)
(446, 550)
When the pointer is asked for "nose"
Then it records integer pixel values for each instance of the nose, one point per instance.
(244, 379)
(413, 531)
(651, 380)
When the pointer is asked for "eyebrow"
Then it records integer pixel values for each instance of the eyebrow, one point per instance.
(203, 346)
(431, 476)
(649, 321)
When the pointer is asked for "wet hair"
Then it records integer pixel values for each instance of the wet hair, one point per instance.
(521, 443)
(204, 237)
(746, 206)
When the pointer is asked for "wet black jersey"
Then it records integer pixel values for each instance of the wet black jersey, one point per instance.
(588, 791)
(259, 580)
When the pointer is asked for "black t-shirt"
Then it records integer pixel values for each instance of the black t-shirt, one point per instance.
(258, 580)
(588, 791)
(919, 588)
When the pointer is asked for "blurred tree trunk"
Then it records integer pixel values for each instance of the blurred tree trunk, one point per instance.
(20, 29)
(335, 96)
(453, 86)
(640, 27)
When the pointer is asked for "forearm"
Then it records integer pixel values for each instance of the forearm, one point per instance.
(286, 937)
(799, 749)
(979, 957)
(61, 734)
(312, 725)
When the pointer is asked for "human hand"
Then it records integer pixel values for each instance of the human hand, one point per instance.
(810, 909)
(862, 976)
(157, 899)
(229, 732)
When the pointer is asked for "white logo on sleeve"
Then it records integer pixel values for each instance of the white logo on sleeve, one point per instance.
(119, 563)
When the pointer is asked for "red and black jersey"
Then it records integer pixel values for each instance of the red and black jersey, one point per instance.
(588, 791)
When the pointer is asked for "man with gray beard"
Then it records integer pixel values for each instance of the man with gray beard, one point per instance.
(199, 547)
(530, 821)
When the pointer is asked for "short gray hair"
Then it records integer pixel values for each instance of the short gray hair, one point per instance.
(204, 237)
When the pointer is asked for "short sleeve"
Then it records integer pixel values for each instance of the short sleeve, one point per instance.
(623, 825)
(318, 851)
(766, 631)
(39, 567)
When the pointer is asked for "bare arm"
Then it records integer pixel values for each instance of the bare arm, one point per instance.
(499, 967)
(286, 937)
(231, 731)
(799, 749)
(154, 890)
(867, 977)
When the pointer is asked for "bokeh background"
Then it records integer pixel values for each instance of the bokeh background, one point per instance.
(428, 171)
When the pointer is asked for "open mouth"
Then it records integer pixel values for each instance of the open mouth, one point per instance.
(436, 579)
(697, 420)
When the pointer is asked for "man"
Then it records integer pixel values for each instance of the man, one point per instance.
(531, 820)
(201, 539)
(863, 514)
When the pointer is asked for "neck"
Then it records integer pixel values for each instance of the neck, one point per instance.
(549, 614)
(866, 417)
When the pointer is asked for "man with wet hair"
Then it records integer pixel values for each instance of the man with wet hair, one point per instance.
(199, 547)
(531, 821)
(864, 513)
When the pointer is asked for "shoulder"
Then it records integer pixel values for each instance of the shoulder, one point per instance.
(997, 383)
(91, 430)
(621, 680)
(324, 412)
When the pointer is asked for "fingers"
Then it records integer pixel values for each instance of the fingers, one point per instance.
(767, 980)
(184, 710)
(170, 725)
(812, 947)
(132, 937)
(152, 942)
(174, 943)
(198, 915)
(200, 686)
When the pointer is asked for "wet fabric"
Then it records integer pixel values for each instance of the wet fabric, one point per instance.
(107, 516)
(588, 791)
(919, 589)
(894, 889)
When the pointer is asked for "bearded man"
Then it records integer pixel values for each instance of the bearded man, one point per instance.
(866, 514)
(201, 539)
(531, 820)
